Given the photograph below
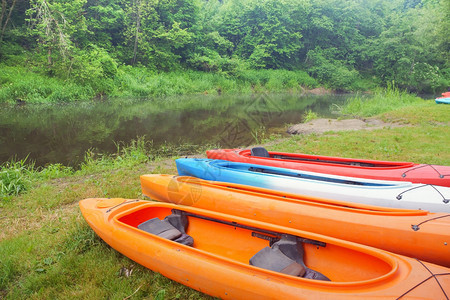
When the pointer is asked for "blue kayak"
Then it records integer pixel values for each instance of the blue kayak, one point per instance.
(400, 194)
(443, 100)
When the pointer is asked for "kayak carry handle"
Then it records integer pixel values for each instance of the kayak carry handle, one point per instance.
(274, 239)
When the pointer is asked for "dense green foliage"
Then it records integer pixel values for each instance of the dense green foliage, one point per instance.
(84, 48)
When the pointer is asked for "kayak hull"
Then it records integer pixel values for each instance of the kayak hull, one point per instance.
(374, 192)
(384, 275)
(443, 100)
(413, 233)
(371, 169)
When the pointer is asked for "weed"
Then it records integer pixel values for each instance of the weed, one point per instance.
(14, 178)
(309, 115)
(54, 171)
(259, 134)
(81, 239)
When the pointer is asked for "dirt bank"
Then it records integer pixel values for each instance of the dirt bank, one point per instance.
(324, 125)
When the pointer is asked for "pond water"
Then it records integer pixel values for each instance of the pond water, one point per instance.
(63, 133)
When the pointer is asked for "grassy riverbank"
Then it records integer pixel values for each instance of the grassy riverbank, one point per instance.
(20, 84)
(47, 251)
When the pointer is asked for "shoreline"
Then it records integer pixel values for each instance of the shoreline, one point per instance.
(323, 125)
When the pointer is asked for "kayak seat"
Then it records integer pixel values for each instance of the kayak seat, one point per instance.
(260, 152)
(273, 259)
(179, 220)
(160, 228)
(285, 256)
(173, 227)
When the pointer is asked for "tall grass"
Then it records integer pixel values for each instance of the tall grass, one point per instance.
(18, 84)
(126, 156)
(309, 115)
(53, 171)
(382, 101)
(143, 83)
(277, 80)
(14, 178)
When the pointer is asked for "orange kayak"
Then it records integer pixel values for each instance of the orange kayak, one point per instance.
(231, 257)
(413, 233)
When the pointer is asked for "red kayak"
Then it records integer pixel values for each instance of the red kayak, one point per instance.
(372, 169)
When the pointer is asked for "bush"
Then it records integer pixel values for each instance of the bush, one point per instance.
(330, 71)
(277, 80)
(93, 67)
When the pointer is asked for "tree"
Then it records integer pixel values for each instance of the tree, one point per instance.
(335, 40)
(409, 53)
(155, 35)
(5, 15)
(267, 33)
(54, 24)
(105, 24)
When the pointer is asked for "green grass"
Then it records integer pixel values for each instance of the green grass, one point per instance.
(424, 112)
(423, 139)
(309, 115)
(22, 84)
(380, 102)
(47, 251)
(14, 178)
(424, 144)
(142, 83)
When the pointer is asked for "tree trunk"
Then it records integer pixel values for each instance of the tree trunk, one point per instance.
(3, 13)
(3, 25)
(49, 57)
(138, 25)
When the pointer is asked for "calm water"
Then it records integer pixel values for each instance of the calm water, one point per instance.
(63, 133)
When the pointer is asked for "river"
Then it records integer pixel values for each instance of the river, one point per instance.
(63, 133)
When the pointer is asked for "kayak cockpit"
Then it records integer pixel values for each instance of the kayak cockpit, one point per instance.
(271, 251)
(263, 153)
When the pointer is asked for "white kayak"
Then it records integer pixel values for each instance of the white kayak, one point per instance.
(399, 194)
